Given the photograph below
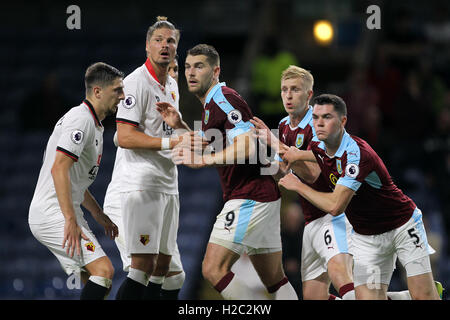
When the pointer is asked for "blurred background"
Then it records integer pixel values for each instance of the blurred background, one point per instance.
(395, 79)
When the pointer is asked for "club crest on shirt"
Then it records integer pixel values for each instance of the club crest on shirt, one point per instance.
(144, 239)
(299, 140)
(77, 136)
(206, 119)
(339, 166)
(90, 246)
(352, 170)
(234, 116)
(129, 101)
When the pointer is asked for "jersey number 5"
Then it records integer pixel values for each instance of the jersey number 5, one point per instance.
(412, 234)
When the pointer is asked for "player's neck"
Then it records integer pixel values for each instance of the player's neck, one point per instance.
(332, 144)
(202, 97)
(99, 110)
(296, 118)
(161, 72)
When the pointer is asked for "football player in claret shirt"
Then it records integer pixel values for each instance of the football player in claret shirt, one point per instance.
(325, 256)
(71, 162)
(386, 222)
(250, 219)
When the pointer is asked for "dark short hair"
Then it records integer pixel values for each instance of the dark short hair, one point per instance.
(337, 102)
(212, 56)
(161, 22)
(100, 74)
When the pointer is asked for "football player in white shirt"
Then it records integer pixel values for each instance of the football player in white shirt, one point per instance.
(149, 188)
(174, 279)
(71, 162)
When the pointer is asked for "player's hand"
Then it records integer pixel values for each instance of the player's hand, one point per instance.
(170, 115)
(185, 156)
(193, 142)
(72, 235)
(289, 156)
(111, 230)
(290, 182)
(263, 133)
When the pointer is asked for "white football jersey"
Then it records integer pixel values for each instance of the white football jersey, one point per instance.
(112, 196)
(148, 169)
(79, 135)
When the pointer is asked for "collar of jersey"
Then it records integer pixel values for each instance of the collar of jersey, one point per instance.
(213, 92)
(341, 148)
(92, 110)
(150, 70)
(306, 119)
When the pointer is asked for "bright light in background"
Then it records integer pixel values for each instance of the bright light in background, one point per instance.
(323, 32)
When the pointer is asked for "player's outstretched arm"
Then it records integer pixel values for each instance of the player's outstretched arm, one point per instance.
(292, 154)
(332, 202)
(308, 171)
(61, 180)
(97, 213)
(130, 137)
(243, 148)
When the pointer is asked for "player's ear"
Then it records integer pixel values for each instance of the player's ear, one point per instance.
(216, 71)
(97, 92)
(344, 120)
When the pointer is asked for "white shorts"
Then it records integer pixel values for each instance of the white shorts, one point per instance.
(115, 215)
(248, 226)
(323, 238)
(374, 256)
(150, 222)
(51, 235)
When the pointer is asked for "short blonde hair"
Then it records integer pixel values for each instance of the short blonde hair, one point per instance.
(297, 72)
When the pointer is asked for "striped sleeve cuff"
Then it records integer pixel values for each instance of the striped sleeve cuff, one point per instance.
(126, 121)
(67, 153)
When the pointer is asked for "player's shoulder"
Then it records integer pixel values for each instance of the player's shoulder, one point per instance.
(358, 149)
(234, 98)
(316, 145)
(78, 113)
(285, 121)
(134, 78)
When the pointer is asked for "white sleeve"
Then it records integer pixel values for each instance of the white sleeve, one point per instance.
(76, 132)
(131, 109)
